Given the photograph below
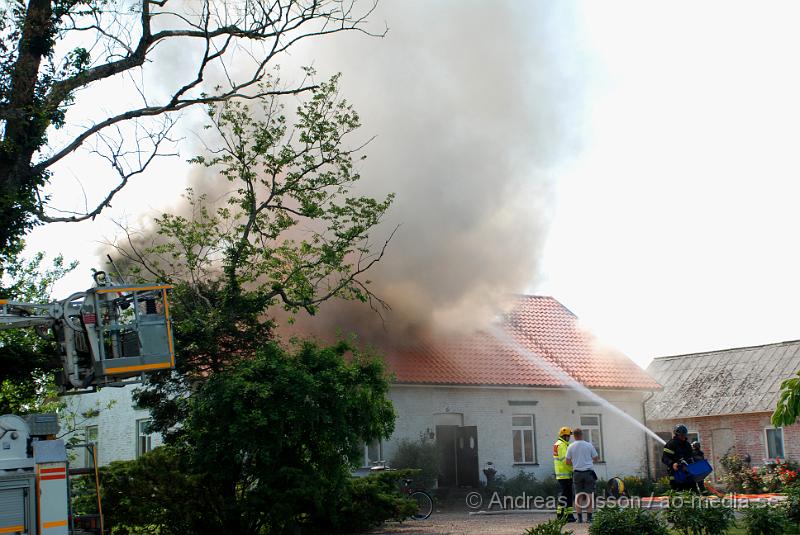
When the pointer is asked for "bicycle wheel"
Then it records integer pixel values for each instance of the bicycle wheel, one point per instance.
(424, 504)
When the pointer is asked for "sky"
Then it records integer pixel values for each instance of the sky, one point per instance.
(668, 209)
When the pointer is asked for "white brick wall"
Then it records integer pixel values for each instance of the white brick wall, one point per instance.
(488, 408)
(116, 426)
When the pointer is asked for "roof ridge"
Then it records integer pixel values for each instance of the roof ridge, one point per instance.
(738, 348)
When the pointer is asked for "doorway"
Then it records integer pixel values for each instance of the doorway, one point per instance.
(458, 455)
(722, 443)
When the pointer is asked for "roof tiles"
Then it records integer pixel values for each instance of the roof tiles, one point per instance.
(539, 343)
(731, 381)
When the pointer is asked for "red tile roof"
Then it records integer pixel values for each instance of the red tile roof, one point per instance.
(539, 343)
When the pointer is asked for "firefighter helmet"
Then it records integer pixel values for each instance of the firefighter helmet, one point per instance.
(680, 429)
(564, 431)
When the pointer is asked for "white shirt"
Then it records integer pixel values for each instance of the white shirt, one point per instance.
(581, 454)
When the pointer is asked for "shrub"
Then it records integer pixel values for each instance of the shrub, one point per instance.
(551, 527)
(152, 494)
(765, 520)
(695, 515)
(365, 503)
(793, 503)
(420, 455)
(772, 477)
(612, 520)
(261, 450)
(527, 484)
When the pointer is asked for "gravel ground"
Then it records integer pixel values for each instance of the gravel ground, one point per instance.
(466, 524)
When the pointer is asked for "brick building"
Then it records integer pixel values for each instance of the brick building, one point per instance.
(726, 399)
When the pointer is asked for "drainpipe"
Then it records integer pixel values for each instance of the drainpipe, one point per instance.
(647, 438)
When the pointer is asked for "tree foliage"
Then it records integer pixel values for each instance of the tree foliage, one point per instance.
(50, 50)
(266, 448)
(27, 359)
(788, 410)
(289, 233)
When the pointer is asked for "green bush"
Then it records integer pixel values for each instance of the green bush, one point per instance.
(260, 452)
(420, 455)
(527, 484)
(152, 494)
(765, 520)
(612, 520)
(365, 503)
(691, 514)
(551, 527)
(793, 503)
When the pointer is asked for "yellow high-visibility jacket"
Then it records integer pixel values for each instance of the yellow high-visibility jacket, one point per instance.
(563, 470)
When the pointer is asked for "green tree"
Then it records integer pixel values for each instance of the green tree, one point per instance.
(788, 410)
(290, 234)
(264, 448)
(52, 49)
(27, 359)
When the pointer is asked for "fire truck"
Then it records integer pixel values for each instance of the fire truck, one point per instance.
(109, 335)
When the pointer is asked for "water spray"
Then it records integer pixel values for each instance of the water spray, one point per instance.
(567, 379)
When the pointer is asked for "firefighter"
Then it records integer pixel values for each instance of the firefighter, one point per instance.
(678, 452)
(563, 475)
(697, 453)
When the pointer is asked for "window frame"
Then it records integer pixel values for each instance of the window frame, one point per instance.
(140, 436)
(599, 427)
(368, 463)
(88, 462)
(766, 443)
(522, 429)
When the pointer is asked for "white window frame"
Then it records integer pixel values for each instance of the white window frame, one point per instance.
(766, 442)
(88, 462)
(690, 433)
(599, 428)
(369, 462)
(146, 437)
(521, 429)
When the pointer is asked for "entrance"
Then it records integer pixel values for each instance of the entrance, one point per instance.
(458, 455)
(722, 443)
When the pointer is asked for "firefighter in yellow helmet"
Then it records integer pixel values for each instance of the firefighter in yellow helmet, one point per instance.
(563, 475)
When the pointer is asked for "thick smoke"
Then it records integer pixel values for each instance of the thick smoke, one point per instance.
(472, 103)
(472, 106)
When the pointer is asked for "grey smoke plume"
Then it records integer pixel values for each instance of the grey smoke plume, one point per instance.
(473, 105)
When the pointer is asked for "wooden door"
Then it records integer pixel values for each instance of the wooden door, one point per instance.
(467, 456)
(446, 446)
(722, 443)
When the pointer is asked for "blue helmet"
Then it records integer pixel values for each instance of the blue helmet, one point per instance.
(680, 429)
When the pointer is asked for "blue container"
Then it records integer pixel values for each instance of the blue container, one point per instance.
(694, 472)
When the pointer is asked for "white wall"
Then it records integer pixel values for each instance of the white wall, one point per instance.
(488, 408)
(116, 426)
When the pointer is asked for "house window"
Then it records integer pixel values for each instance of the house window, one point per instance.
(90, 434)
(774, 443)
(593, 431)
(144, 437)
(523, 437)
(373, 452)
(692, 436)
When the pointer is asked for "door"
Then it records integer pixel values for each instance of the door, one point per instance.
(722, 443)
(446, 446)
(467, 457)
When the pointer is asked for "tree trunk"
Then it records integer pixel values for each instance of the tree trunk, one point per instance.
(25, 128)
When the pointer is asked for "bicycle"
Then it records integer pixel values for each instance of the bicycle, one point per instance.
(421, 497)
